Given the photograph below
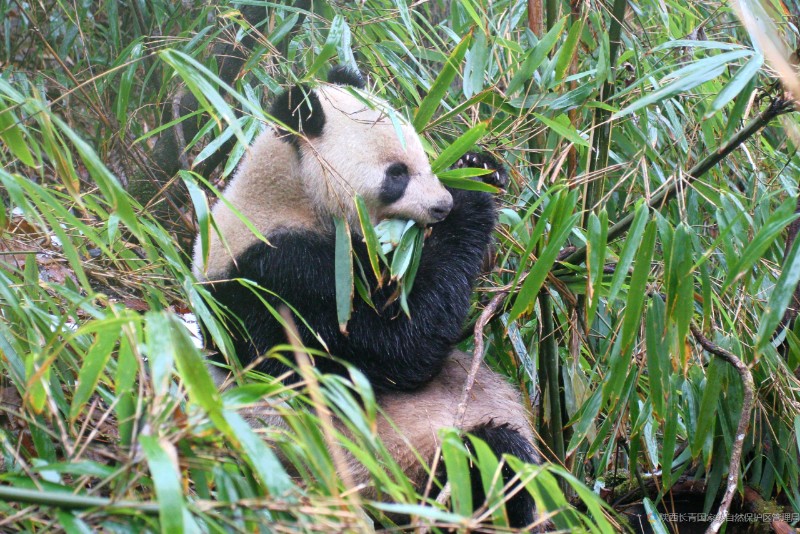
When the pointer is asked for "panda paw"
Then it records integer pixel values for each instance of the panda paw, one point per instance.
(498, 177)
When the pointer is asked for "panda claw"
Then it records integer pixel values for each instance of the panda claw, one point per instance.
(497, 177)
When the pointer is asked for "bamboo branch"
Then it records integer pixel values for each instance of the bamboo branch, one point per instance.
(744, 420)
(777, 107)
(477, 354)
(71, 500)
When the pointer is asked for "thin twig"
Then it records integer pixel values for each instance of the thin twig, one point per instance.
(477, 355)
(180, 138)
(744, 420)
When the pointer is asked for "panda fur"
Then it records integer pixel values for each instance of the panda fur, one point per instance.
(290, 186)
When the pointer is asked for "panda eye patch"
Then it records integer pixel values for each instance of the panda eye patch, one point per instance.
(394, 183)
(397, 170)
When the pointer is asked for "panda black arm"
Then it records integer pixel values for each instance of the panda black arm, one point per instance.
(394, 351)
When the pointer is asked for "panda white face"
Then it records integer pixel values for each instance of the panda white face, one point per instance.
(390, 170)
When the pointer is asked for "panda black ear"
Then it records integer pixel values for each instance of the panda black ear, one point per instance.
(300, 109)
(343, 75)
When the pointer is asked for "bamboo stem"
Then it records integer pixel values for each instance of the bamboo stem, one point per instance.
(741, 429)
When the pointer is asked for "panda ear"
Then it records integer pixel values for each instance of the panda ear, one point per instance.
(343, 75)
(300, 109)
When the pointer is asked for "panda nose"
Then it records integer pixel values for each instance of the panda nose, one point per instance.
(440, 210)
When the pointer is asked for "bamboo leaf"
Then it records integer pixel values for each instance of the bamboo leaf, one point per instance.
(459, 147)
(455, 461)
(562, 126)
(438, 90)
(167, 482)
(536, 56)
(780, 297)
(737, 84)
(370, 237)
(707, 414)
(632, 241)
(343, 269)
(567, 51)
(560, 231)
(686, 78)
(595, 259)
(94, 363)
(11, 135)
(335, 34)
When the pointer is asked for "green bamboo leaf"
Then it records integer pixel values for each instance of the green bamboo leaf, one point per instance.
(658, 357)
(526, 296)
(562, 126)
(707, 414)
(370, 237)
(160, 350)
(687, 78)
(407, 283)
(203, 392)
(132, 54)
(638, 290)
(654, 517)
(568, 50)
(632, 241)
(780, 297)
(475, 65)
(72, 524)
(466, 172)
(737, 84)
(201, 210)
(11, 135)
(597, 233)
(107, 183)
(335, 34)
(343, 268)
(535, 57)
(670, 433)
(468, 184)
(764, 238)
(438, 90)
(455, 461)
(459, 147)
(94, 363)
(124, 380)
(167, 481)
(492, 484)
(467, 5)
(680, 288)
(404, 253)
(585, 421)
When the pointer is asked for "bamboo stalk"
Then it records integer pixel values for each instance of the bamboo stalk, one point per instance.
(550, 363)
(72, 501)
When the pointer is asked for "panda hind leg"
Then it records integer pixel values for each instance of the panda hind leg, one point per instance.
(503, 439)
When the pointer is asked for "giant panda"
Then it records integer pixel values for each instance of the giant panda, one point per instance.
(290, 186)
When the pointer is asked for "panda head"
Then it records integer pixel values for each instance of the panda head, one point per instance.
(348, 145)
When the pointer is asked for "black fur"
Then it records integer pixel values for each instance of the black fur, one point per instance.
(394, 183)
(300, 109)
(342, 75)
(505, 440)
(395, 352)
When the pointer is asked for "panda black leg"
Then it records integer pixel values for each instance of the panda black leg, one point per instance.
(503, 439)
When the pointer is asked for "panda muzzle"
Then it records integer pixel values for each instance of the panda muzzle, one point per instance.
(440, 210)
